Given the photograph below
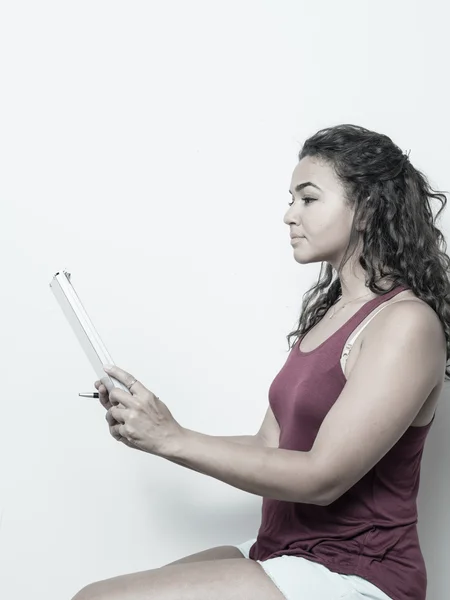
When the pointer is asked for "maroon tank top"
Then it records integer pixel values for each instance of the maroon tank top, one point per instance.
(371, 530)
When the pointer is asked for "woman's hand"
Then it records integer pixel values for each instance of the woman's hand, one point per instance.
(105, 402)
(141, 421)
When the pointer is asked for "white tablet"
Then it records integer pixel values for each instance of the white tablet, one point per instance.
(83, 328)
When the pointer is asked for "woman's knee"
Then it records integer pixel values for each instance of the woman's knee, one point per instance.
(83, 594)
(95, 591)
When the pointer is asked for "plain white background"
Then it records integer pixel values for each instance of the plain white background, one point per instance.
(148, 147)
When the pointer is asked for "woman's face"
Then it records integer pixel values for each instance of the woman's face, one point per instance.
(319, 213)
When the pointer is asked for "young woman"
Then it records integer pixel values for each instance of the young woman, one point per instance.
(337, 457)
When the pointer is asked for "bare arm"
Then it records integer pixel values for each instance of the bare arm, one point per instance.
(267, 436)
(276, 473)
(246, 440)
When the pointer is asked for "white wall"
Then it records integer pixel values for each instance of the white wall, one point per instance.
(148, 147)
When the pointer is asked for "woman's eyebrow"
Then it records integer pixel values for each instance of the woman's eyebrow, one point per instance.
(300, 186)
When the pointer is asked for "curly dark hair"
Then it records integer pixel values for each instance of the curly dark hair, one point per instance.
(391, 202)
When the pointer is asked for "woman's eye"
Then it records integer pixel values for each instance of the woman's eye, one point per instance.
(307, 200)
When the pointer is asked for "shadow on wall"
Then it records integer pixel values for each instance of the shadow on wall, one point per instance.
(434, 500)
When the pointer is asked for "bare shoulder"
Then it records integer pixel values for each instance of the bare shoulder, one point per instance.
(405, 303)
(406, 312)
(390, 388)
(407, 308)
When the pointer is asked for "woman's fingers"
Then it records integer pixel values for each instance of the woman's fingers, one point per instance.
(110, 419)
(103, 395)
(104, 399)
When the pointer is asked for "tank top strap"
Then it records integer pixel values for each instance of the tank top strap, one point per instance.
(370, 306)
(361, 329)
(366, 310)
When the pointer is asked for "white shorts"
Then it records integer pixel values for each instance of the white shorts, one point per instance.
(300, 579)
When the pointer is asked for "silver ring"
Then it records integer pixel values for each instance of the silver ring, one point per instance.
(131, 384)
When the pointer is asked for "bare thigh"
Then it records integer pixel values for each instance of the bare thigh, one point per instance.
(218, 552)
(221, 573)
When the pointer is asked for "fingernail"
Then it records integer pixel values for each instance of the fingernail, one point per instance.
(107, 367)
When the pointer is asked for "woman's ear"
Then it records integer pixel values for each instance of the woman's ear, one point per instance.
(361, 225)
